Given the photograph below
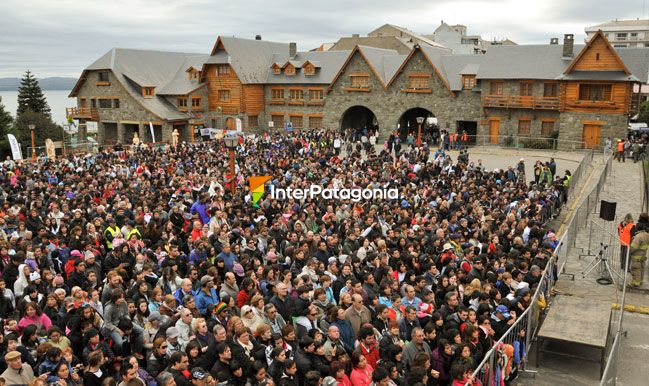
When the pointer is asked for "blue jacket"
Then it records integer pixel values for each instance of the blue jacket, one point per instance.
(203, 300)
(346, 334)
(228, 259)
(201, 209)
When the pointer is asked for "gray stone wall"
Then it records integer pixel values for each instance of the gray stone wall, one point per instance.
(390, 104)
(287, 108)
(571, 126)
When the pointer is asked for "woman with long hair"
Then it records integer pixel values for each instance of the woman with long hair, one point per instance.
(361, 374)
(64, 376)
(94, 375)
(34, 316)
(157, 360)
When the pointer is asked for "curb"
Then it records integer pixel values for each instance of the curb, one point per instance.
(632, 308)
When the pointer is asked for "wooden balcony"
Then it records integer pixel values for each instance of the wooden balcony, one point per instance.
(520, 102)
(82, 113)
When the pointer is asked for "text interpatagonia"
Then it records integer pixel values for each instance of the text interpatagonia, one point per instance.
(313, 191)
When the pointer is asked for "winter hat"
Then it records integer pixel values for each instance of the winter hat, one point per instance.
(219, 308)
(58, 280)
(34, 276)
(172, 332)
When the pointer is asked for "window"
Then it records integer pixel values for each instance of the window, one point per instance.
(550, 90)
(290, 70)
(93, 103)
(595, 92)
(621, 36)
(547, 128)
(103, 76)
(634, 35)
(278, 120)
(619, 45)
(297, 95)
(82, 102)
(296, 120)
(224, 95)
(182, 102)
(496, 88)
(277, 70)
(316, 95)
(222, 69)
(419, 82)
(193, 74)
(526, 88)
(309, 69)
(315, 122)
(277, 94)
(116, 103)
(105, 103)
(253, 121)
(524, 126)
(148, 91)
(360, 81)
(468, 82)
(196, 102)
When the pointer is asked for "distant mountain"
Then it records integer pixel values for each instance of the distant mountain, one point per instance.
(54, 83)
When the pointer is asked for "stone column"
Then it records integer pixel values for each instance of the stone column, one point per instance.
(121, 131)
(101, 133)
(142, 129)
(167, 128)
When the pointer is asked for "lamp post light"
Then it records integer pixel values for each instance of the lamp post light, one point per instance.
(420, 120)
(231, 142)
(31, 129)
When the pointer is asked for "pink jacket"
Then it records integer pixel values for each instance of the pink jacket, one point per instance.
(39, 320)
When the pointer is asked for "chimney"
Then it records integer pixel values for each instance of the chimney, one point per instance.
(292, 49)
(257, 37)
(355, 35)
(554, 41)
(568, 43)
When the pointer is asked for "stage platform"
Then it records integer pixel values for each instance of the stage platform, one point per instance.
(579, 322)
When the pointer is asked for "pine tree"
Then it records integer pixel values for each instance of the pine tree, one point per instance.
(30, 97)
(6, 121)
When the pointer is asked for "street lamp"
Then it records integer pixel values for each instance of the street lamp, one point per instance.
(31, 129)
(231, 142)
(420, 120)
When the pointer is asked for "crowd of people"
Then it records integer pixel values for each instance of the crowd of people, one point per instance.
(142, 267)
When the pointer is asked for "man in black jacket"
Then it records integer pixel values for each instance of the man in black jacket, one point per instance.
(303, 357)
(283, 302)
(179, 362)
(221, 369)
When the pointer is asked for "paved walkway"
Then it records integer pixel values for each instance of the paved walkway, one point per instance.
(623, 186)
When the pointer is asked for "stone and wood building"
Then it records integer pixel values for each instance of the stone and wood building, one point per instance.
(578, 92)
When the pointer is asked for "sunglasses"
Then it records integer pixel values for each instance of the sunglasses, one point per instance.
(164, 346)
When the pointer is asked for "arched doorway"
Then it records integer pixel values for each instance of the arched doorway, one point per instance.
(358, 118)
(408, 122)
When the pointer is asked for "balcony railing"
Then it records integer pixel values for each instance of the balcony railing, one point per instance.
(520, 102)
(82, 113)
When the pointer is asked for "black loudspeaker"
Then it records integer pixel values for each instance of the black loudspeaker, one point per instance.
(607, 210)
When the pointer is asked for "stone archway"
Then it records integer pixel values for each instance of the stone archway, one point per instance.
(359, 117)
(407, 123)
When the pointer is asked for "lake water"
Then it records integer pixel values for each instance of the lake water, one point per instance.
(57, 99)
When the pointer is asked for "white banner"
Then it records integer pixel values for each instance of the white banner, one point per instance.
(92, 127)
(152, 133)
(15, 147)
(239, 125)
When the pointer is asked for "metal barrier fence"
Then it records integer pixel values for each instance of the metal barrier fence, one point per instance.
(527, 142)
(523, 331)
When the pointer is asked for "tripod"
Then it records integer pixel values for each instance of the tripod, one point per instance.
(603, 267)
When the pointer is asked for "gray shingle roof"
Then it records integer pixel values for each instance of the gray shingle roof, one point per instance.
(250, 59)
(328, 63)
(637, 61)
(525, 62)
(181, 84)
(145, 68)
(385, 62)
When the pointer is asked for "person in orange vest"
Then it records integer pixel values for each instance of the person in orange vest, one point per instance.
(620, 150)
(464, 138)
(626, 230)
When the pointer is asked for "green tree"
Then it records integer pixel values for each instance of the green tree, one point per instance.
(6, 121)
(30, 97)
(643, 115)
(44, 128)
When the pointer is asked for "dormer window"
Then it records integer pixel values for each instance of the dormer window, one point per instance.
(309, 69)
(148, 91)
(223, 69)
(277, 69)
(290, 70)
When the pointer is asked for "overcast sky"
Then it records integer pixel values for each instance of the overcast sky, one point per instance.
(61, 37)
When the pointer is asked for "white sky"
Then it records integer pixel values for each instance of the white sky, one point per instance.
(61, 37)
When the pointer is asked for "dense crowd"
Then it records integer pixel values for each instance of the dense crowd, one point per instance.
(141, 267)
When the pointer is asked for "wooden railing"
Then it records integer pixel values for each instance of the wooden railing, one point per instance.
(82, 112)
(520, 102)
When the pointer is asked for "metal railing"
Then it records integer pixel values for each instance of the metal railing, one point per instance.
(524, 142)
(490, 368)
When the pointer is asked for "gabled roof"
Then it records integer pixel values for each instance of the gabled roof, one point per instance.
(385, 63)
(146, 68)
(181, 84)
(637, 61)
(599, 36)
(250, 59)
(435, 52)
(409, 33)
